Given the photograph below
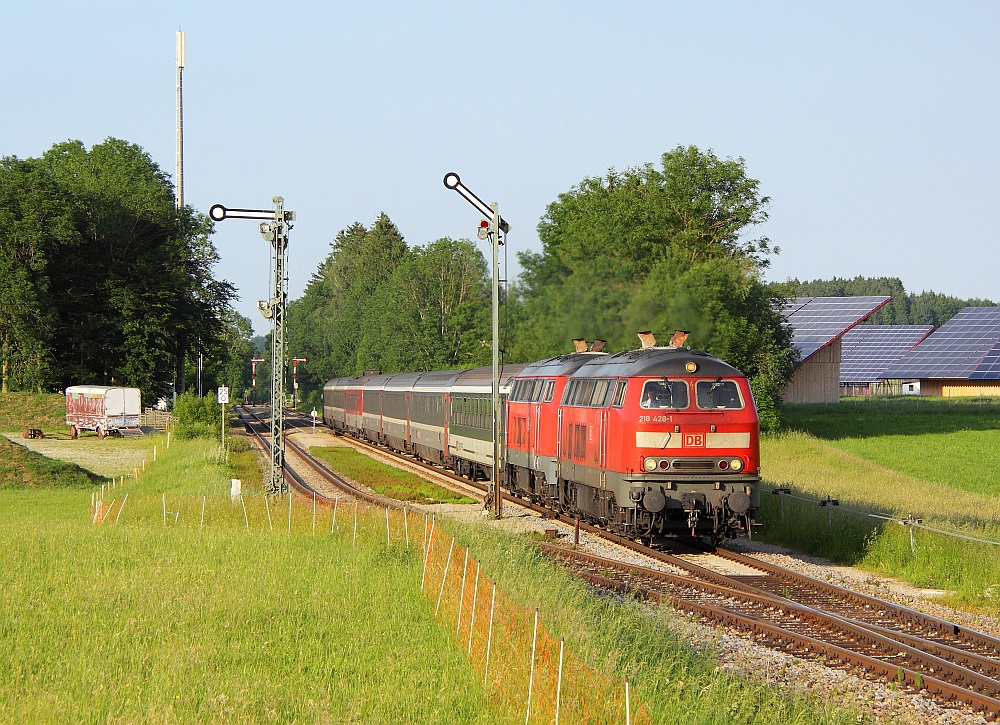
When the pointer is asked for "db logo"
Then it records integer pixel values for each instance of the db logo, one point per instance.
(694, 440)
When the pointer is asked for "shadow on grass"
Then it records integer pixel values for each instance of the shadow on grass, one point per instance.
(964, 569)
(22, 468)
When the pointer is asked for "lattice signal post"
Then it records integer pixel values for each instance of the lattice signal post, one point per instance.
(491, 230)
(274, 227)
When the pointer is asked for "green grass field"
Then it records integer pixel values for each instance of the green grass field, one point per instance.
(385, 479)
(938, 460)
(210, 619)
(223, 616)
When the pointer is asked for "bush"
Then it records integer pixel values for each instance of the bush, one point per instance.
(186, 431)
(768, 400)
(239, 444)
(191, 408)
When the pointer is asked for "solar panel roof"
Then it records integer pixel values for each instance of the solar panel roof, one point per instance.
(867, 350)
(965, 347)
(818, 321)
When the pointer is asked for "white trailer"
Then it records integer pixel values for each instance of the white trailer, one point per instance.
(102, 408)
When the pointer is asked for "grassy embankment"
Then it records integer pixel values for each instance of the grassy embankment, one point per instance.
(222, 618)
(935, 459)
(386, 480)
(46, 411)
(213, 619)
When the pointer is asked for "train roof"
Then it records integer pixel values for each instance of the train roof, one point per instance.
(92, 390)
(483, 377)
(401, 381)
(656, 361)
(560, 364)
(436, 380)
(348, 381)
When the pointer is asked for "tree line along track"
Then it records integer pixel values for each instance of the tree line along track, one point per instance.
(777, 607)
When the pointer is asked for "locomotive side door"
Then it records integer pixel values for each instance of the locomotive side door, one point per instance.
(535, 429)
(604, 440)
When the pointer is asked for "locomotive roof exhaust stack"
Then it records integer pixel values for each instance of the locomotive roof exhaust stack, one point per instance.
(647, 338)
(580, 345)
(679, 338)
(598, 345)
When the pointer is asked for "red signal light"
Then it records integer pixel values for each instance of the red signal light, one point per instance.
(484, 224)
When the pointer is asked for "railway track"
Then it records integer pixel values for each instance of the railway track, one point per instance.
(949, 674)
(776, 607)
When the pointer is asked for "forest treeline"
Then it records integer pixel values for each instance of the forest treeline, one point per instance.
(104, 280)
(925, 308)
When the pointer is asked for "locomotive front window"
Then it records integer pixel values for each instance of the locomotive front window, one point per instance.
(665, 394)
(718, 395)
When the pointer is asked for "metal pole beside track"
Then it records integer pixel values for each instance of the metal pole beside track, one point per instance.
(497, 411)
(490, 229)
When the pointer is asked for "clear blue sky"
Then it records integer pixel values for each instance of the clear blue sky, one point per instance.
(871, 125)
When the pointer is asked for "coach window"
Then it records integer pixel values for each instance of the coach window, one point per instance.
(664, 393)
(718, 395)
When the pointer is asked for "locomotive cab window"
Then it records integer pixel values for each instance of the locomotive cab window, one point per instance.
(718, 395)
(619, 399)
(664, 394)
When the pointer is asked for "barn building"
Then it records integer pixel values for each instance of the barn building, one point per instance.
(959, 359)
(866, 351)
(818, 324)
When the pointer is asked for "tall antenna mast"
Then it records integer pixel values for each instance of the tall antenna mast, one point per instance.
(180, 118)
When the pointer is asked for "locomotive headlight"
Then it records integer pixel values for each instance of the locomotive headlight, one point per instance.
(649, 464)
(736, 464)
(691, 366)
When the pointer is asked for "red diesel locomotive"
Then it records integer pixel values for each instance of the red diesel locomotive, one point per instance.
(655, 443)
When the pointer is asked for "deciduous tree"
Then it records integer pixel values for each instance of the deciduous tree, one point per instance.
(115, 282)
(658, 249)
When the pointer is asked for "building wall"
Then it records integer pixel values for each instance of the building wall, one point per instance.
(879, 388)
(960, 388)
(817, 380)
